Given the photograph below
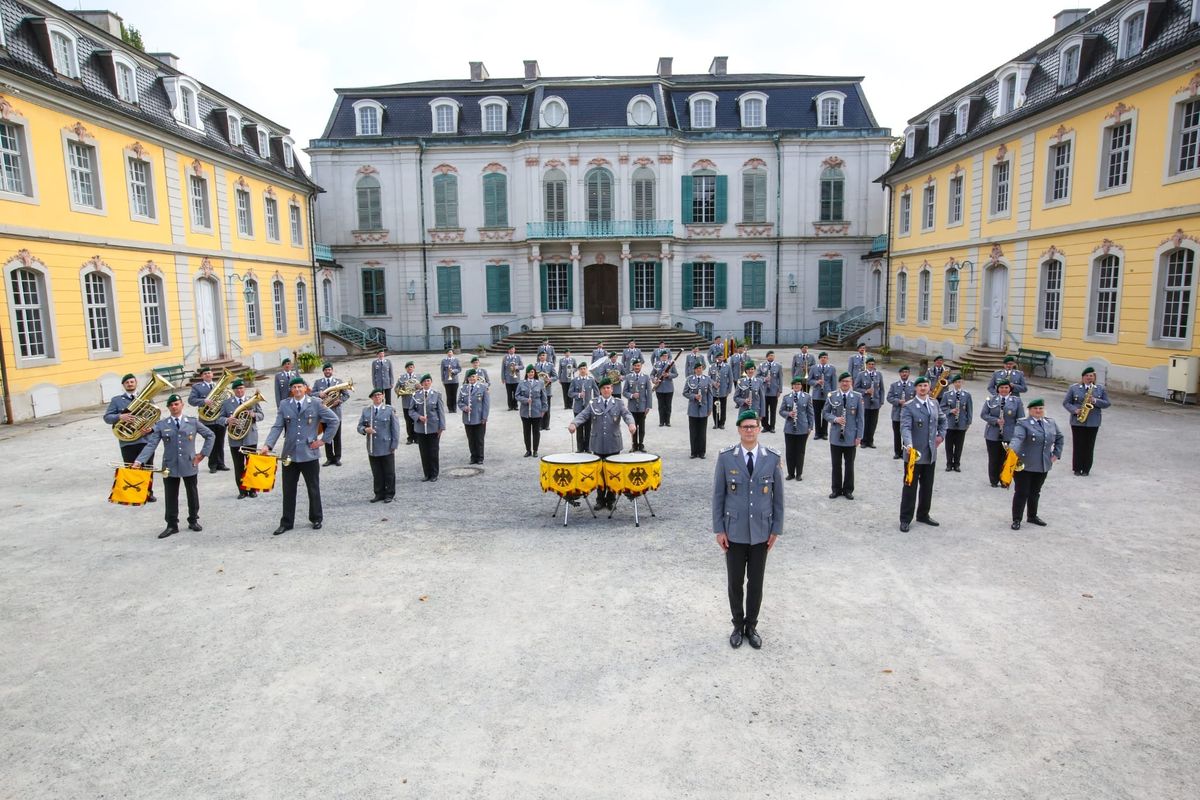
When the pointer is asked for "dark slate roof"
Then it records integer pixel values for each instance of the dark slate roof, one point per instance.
(411, 115)
(597, 106)
(788, 107)
(1168, 33)
(23, 55)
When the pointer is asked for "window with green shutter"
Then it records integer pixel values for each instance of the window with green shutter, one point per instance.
(722, 200)
(754, 195)
(495, 200)
(374, 296)
(829, 283)
(449, 289)
(498, 293)
(685, 198)
(707, 282)
(754, 284)
(445, 201)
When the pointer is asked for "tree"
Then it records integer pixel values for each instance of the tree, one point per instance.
(132, 37)
(897, 149)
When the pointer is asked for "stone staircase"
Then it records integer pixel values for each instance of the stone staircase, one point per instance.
(234, 366)
(986, 360)
(583, 340)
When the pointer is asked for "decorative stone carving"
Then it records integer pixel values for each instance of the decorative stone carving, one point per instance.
(27, 259)
(930, 181)
(833, 162)
(600, 258)
(1002, 153)
(554, 163)
(1191, 89)
(531, 161)
(207, 270)
(366, 169)
(6, 108)
(834, 229)
(704, 163)
(599, 162)
(573, 160)
(754, 163)
(80, 132)
(496, 234)
(495, 166)
(665, 158)
(1107, 246)
(623, 158)
(1063, 131)
(1178, 238)
(497, 261)
(270, 192)
(446, 235)
(139, 150)
(996, 254)
(369, 237)
(150, 268)
(644, 162)
(1118, 111)
(828, 256)
(754, 230)
(753, 257)
(447, 262)
(445, 169)
(1053, 252)
(242, 184)
(197, 167)
(958, 170)
(703, 231)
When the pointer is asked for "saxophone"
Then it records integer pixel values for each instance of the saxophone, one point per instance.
(943, 380)
(144, 409)
(242, 417)
(211, 410)
(1086, 408)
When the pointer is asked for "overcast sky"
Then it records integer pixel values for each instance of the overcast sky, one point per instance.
(282, 58)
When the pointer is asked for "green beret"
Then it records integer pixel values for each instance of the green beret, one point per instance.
(604, 381)
(822, 354)
(920, 380)
(697, 365)
(408, 364)
(905, 368)
(861, 347)
(870, 360)
(745, 415)
(1010, 360)
(375, 391)
(805, 345)
(637, 361)
(530, 369)
(173, 399)
(939, 358)
(843, 376)
(797, 379)
(474, 359)
(469, 373)
(296, 380)
(327, 365)
(1002, 382)
(426, 377)
(237, 383)
(747, 364)
(955, 377)
(128, 376)
(1036, 402)
(613, 354)
(770, 352)
(285, 361)
(1086, 371)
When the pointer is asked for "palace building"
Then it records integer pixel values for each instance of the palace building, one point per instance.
(146, 219)
(460, 211)
(1053, 205)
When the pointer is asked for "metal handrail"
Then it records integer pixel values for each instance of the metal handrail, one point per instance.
(579, 229)
(238, 346)
(843, 330)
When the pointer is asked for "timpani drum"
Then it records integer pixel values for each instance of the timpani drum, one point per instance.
(633, 474)
(571, 476)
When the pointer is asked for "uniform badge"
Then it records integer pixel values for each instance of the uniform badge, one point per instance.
(191, 437)
(766, 490)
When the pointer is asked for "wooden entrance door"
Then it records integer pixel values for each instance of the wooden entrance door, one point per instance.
(600, 295)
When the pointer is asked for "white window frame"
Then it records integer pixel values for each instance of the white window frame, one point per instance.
(435, 108)
(1162, 255)
(910, 142)
(45, 311)
(111, 310)
(55, 27)
(924, 296)
(559, 177)
(928, 207)
(743, 100)
(1074, 43)
(302, 301)
(934, 127)
(633, 104)
(121, 60)
(358, 107)
(951, 298)
(962, 116)
(159, 309)
(840, 99)
(151, 198)
(1196, 12)
(695, 99)
(1171, 172)
(547, 103)
(362, 191)
(558, 281)
(289, 152)
(243, 212)
(1044, 296)
(205, 225)
(262, 142)
(958, 180)
(1019, 72)
(902, 296)
(99, 206)
(279, 307)
(1125, 47)
(704, 285)
(1053, 144)
(644, 286)
(1094, 265)
(176, 86)
(994, 211)
(271, 218)
(23, 161)
(295, 223)
(904, 214)
(641, 176)
(253, 310)
(1103, 151)
(493, 102)
(234, 121)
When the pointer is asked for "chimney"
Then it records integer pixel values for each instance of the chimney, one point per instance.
(664, 66)
(106, 21)
(170, 59)
(532, 70)
(717, 67)
(479, 72)
(1068, 17)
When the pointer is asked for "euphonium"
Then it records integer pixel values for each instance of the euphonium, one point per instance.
(333, 394)
(243, 417)
(217, 397)
(146, 412)
(1088, 405)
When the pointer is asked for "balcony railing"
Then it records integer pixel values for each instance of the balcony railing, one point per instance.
(879, 244)
(322, 252)
(615, 229)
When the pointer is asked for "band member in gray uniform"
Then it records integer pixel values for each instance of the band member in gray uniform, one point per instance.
(474, 403)
(382, 429)
(178, 436)
(381, 375)
(481, 374)
(869, 384)
(118, 411)
(532, 401)
(1010, 373)
(283, 381)
(803, 362)
(771, 374)
(606, 414)
(249, 440)
(796, 408)
(658, 351)
(583, 389)
(321, 386)
(615, 371)
(898, 394)
(201, 391)
(748, 392)
(1038, 443)
(747, 518)
(510, 372)
(428, 413)
(409, 374)
(699, 399)
(999, 414)
(737, 362)
(451, 369)
(720, 377)
(858, 362)
(547, 348)
(936, 371)
(822, 379)
(693, 359)
(717, 347)
(923, 426)
(960, 413)
(1083, 434)
(639, 398)
(297, 422)
(629, 355)
(845, 410)
(600, 352)
(545, 371)
(664, 386)
(566, 373)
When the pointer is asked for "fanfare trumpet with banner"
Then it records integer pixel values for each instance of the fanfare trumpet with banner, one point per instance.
(1012, 465)
(131, 485)
(143, 408)
(259, 474)
(222, 391)
(910, 465)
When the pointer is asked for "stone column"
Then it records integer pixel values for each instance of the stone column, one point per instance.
(624, 300)
(664, 314)
(535, 286)
(577, 288)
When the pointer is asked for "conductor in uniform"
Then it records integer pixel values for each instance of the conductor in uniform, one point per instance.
(1083, 434)
(297, 422)
(382, 429)
(606, 414)
(922, 426)
(178, 436)
(428, 412)
(118, 411)
(747, 517)
(1038, 443)
(249, 440)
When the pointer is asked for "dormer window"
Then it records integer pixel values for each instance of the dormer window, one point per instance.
(910, 142)
(554, 113)
(935, 126)
(702, 108)
(642, 111)
(445, 115)
(962, 117)
(125, 74)
(753, 106)
(1132, 31)
(234, 122)
(1011, 81)
(829, 109)
(1068, 65)
(184, 94)
(264, 142)
(64, 50)
(289, 152)
(368, 118)
(494, 114)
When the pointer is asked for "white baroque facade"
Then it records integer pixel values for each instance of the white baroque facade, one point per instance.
(732, 204)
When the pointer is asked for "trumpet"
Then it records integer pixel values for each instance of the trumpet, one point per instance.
(166, 471)
(514, 370)
(250, 451)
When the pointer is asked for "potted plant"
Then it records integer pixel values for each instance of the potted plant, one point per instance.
(308, 360)
(885, 352)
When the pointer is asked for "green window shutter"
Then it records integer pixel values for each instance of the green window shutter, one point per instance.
(721, 270)
(498, 294)
(658, 285)
(490, 279)
(570, 288)
(689, 300)
(545, 295)
(829, 284)
(443, 290)
(455, 289)
(685, 198)
(754, 284)
(495, 201)
(722, 198)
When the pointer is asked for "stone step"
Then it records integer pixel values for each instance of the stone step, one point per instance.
(583, 340)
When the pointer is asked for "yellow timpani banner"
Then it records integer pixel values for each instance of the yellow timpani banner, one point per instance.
(260, 473)
(130, 486)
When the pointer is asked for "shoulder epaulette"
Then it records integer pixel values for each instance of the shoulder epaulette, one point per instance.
(771, 450)
(730, 449)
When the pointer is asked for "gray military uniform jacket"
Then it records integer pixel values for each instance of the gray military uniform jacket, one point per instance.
(748, 508)
(598, 354)
(451, 370)
(721, 378)
(628, 355)
(506, 367)
(851, 406)
(961, 399)
(475, 397)
(870, 380)
(665, 373)
(179, 445)
(805, 420)
(899, 393)
(1035, 443)
(692, 360)
(283, 385)
(382, 376)
(701, 386)
(228, 407)
(548, 349)
(606, 416)
(428, 403)
(715, 349)
(1015, 378)
(482, 377)
(387, 429)
(858, 363)
(545, 368)
(609, 366)
(921, 423)
(638, 383)
(798, 362)
(297, 422)
(116, 407)
(748, 395)
(532, 400)
(322, 383)
(1074, 401)
(1007, 409)
(566, 369)
(828, 377)
(736, 362)
(406, 400)
(771, 375)
(582, 390)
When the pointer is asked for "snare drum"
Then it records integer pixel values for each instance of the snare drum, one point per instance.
(633, 474)
(570, 475)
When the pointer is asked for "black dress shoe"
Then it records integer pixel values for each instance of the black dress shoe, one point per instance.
(896, 457)
(389, 499)
(904, 526)
(169, 530)
(376, 499)
(337, 463)
(316, 526)
(702, 455)
(223, 468)
(195, 526)
(528, 454)
(327, 463)
(790, 478)
(1041, 523)
(930, 521)
(242, 495)
(281, 529)
(151, 499)
(848, 495)
(693, 455)
(433, 479)
(254, 492)
(753, 638)
(1016, 526)
(735, 638)
(834, 495)
(994, 484)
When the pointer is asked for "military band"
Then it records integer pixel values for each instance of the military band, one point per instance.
(533, 402)
(898, 394)
(658, 351)
(822, 381)
(960, 413)
(474, 403)
(720, 378)
(938, 371)
(599, 353)
(202, 397)
(583, 390)
(799, 418)
(177, 434)
(379, 424)
(1084, 402)
(239, 439)
(1010, 374)
(298, 422)
(698, 389)
(639, 397)
(118, 411)
(770, 372)
(428, 412)
(381, 375)
(1038, 444)
(606, 413)
(323, 388)
(870, 385)
(999, 414)
(923, 429)
(846, 413)
(664, 377)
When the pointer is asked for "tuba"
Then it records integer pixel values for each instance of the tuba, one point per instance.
(1086, 408)
(146, 412)
(211, 410)
(333, 394)
(242, 418)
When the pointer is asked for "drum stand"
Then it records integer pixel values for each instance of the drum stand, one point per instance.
(567, 508)
(636, 522)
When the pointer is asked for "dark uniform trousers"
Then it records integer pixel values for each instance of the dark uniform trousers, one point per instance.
(919, 495)
(475, 441)
(531, 427)
(193, 499)
(664, 407)
(794, 447)
(545, 422)
(387, 396)
(451, 394)
(1083, 448)
(954, 447)
(871, 419)
(239, 462)
(843, 480)
(745, 563)
(698, 434)
(718, 411)
(996, 455)
(311, 470)
(822, 423)
(216, 458)
(429, 444)
(408, 426)
(1027, 490)
(583, 437)
(130, 453)
(896, 438)
(333, 448)
(770, 404)
(510, 389)
(383, 475)
(566, 389)
(639, 437)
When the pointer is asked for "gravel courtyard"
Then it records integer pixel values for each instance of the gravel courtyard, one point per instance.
(462, 643)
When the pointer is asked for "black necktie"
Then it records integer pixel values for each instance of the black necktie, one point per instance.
(750, 463)
(176, 421)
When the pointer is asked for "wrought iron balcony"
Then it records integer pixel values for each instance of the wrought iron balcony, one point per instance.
(615, 229)
(322, 252)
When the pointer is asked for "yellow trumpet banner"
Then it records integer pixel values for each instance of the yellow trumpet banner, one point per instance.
(260, 473)
(130, 486)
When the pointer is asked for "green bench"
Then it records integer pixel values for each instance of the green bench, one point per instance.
(175, 373)
(1030, 360)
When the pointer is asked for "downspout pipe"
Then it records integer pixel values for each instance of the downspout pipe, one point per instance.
(778, 228)
(317, 294)
(887, 281)
(8, 409)
(424, 243)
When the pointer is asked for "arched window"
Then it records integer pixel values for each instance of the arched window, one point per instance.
(370, 205)
(753, 106)
(125, 72)
(902, 297)
(494, 114)
(752, 333)
(445, 201)
(1133, 30)
(498, 333)
(1068, 63)
(642, 111)
(833, 193)
(704, 330)
(1105, 305)
(950, 301)
(99, 312)
(445, 115)
(643, 195)
(702, 109)
(253, 317)
(279, 303)
(923, 292)
(302, 305)
(451, 337)
(154, 311)
(598, 183)
(495, 200)
(554, 194)
(368, 118)
(829, 109)
(554, 113)
(327, 297)
(754, 195)
(64, 53)
(1175, 296)
(29, 301)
